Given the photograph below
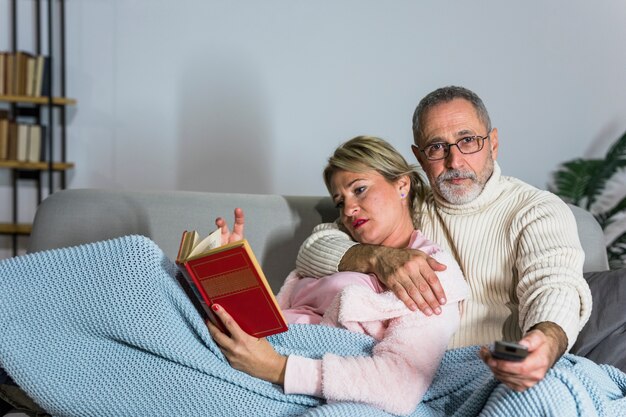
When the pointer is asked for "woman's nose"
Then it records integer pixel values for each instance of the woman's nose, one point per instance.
(350, 208)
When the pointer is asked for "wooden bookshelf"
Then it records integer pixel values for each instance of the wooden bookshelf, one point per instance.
(46, 20)
(56, 166)
(56, 101)
(16, 229)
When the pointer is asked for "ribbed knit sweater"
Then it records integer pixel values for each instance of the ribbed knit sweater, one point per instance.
(518, 248)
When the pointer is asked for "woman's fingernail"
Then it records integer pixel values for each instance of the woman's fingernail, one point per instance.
(428, 312)
(437, 310)
(215, 307)
(442, 300)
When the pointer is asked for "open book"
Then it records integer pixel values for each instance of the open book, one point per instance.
(230, 276)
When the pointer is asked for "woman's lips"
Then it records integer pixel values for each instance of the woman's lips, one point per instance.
(358, 223)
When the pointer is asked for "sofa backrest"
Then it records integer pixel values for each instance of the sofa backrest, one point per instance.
(275, 225)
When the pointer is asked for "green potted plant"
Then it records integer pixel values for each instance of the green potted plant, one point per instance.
(599, 186)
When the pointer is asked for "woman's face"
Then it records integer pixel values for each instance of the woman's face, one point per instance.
(372, 209)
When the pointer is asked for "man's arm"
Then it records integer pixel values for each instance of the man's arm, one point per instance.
(546, 343)
(409, 273)
(551, 285)
(554, 298)
(321, 253)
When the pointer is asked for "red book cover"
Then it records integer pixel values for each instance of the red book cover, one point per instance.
(231, 277)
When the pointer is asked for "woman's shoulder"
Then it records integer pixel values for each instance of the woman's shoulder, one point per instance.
(421, 242)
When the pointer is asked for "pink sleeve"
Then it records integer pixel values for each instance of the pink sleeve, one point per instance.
(303, 376)
(401, 367)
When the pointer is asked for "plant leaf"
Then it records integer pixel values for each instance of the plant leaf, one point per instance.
(615, 159)
(572, 179)
(605, 218)
(617, 248)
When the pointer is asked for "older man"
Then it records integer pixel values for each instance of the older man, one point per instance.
(518, 246)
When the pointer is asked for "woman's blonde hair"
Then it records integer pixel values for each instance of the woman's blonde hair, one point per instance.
(366, 153)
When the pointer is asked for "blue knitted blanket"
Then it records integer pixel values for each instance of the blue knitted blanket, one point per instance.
(104, 329)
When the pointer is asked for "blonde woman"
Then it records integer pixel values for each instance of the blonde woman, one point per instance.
(374, 189)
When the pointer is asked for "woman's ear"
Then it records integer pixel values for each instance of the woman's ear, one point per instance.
(404, 185)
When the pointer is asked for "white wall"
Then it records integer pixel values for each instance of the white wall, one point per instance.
(251, 96)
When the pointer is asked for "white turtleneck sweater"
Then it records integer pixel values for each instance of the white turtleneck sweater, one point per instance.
(518, 248)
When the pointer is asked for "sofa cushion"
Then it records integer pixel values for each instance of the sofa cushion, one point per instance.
(604, 336)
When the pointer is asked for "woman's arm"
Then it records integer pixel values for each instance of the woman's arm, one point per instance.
(396, 376)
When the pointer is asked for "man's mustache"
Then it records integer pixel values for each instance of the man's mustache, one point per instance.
(456, 174)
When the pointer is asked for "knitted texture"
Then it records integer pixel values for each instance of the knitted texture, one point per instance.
(104, 329)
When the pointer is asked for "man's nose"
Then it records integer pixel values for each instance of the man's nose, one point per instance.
(455, 158)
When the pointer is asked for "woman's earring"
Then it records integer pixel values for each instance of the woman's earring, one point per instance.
(402, 195)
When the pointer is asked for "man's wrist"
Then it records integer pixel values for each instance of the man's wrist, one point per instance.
(360, 258)
(554, 332)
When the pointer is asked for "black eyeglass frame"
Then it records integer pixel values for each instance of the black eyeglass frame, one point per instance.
(446, 152)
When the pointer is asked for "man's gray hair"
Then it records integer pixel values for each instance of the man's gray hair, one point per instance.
(444, 95)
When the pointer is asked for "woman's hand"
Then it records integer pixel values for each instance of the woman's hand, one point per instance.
(246, 353)
(237, 233)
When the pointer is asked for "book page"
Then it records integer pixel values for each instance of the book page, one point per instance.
(212, 241)
(187, 243)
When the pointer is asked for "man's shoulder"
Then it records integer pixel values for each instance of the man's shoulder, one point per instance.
(527, 203)
(528, 194)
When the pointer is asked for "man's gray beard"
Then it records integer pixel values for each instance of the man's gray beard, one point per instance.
(462, 194)
(458, 194)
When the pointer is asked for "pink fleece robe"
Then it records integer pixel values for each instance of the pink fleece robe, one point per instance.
(409, 344)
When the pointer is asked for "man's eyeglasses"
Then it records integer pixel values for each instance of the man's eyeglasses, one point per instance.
(466, 145)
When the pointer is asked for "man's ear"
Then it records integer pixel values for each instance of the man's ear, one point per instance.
(418, 154)
(493, 139)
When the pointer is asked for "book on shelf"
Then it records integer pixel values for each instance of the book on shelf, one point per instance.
(3, 66)
(42, 68)
(22, 142)
(34, 143)
(24, 74)
(12, 142)
(229, 275)
(19, 73)
(31, 73)
(9, 76)
(4, 135)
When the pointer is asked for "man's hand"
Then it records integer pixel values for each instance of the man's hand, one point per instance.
(546, 342)
(409, 273)
(237, 233)
(251, 355)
